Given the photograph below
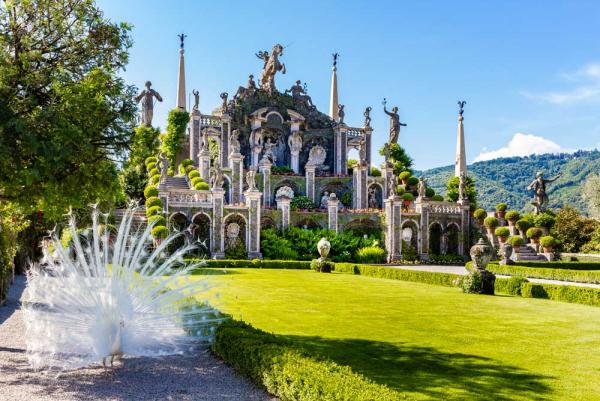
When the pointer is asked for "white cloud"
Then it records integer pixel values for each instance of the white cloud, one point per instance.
(523, 145)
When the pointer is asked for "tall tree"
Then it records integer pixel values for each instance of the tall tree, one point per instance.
(591, 189)
(65, 115)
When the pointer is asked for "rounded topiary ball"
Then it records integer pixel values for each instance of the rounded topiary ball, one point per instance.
(479, 214)
(429, 192)
(153, 201)
(405, 175)
(502, 232)
(157, 220)
(534, 232)
(193, 174)
(501, 207)
(413, 181)
(437, 198)
(491, 222)
(153, 211)
(515, 241)
(150, 191)
(512, 215)
(159, 232)
(201, 186)
(196, 180)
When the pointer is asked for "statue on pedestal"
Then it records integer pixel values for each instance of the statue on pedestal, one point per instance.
(224, 96)
(216, 177)
(395, 125)
(462, 186)
(422, 189)
(204, 142)
(372, 199)
(196, 94)
(268, 152)
(295, 142)
(234, 143)
(251, 179)
(324, 199)
(147, 97)
(270, 68)
(163, 164)
(341, 113)
(299, 94)
(392, 183)
(367, 115)
(540, 197)
(362, 150)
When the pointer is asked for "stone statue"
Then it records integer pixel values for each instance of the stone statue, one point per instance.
(269, 152)
(147, 97)
(196, 94)
(317, 156)
(505, 252)
(461, 107)
(462, 186)
(163, 164)
(233, 232)
(299, 94)
(295, 142)
(224, 96)
(284, 191)
(234, 143)
(372, 198)
(392, 183)
(335, 57)
(251, 180)
(341, 113)
(251, 84)
(181, 37)
(362, 150)
(324, 199)
(323, 246)
(395, 123)
(270, 68)
(204, 142)
(540, 197)
(422, 189)
(367, 115)
(216, 177)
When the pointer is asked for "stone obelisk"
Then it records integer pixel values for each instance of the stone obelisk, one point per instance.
(460, 164)
(181, 94)
(333, 101)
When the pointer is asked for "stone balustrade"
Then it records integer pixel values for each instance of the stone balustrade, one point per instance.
(188, 198)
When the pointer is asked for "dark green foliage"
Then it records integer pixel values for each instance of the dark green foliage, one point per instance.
(399, 158)
(274, 246)
(479, 214)
(534, 232)
(371, 254)
(545, 220)
(523, 224)
(445, 279)
(301, 202)
(572, 230)
(172, 141)
(236, 251)
(548, 241)
(479, 282)
(565, 293)
(134, 177)
(413, 182)
(153, 201)
(446, 259)
(502, 232)
(490, 222)
(510, 286)
(346, 199)
(322, 266)
(150, 191)
(506, 179)
(452, 191)
(430, 192)
(563, 265)
(409, 253)
(254, 263)
(512, 215)
(437, 198)
(546, 272)
(375, 172)
(501, 207)
(400, 190)
(281, 170)
(408, 197)
(593, 246)
(516, 241)
(289, 373)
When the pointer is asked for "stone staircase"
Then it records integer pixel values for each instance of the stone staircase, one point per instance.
(177, 183)
(139, 218)
(528, 253)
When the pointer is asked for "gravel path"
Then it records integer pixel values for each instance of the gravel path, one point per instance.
(193, 377)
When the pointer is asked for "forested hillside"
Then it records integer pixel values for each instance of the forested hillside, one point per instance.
(506, 179)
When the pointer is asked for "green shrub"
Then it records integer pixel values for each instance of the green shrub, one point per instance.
(548, 241)
(562, 265)
(301, 202)
(187, 162)
(400, 190)
(545, 220)
(193, 174)
(281, 170)
(405, 175)
(445, 279)
(516, 241)
(529, 217)
(412, 182)
(196, 180)
(472, 283)
(322, 266)
(523, 225)
(566, 293)
(534, 232)
(150, 191)
(154, 179)
(446, 259)
(546, 272)
(154, 171)
(371, 254)
(437, 198)
(430, 192)
(512, 215)
(502, 232)
(288, 372)
(501, 207)
(275, 246)
(490, 222)
(160, 232)
(375, 172)
(188, 169)
(153, 201)
(510, 286)
(479, 214)
(151, 159)
(201, 186)
(151, 166)
(255, 263)
(153, 211)
(408, 197)
(157, 220)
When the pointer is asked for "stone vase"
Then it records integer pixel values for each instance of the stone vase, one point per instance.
(481, 254)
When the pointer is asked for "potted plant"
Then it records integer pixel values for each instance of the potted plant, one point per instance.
(502, 233)
(516, 242)
(548, 242)
(545, 221)
(479, 216)
(404, 176)
(490, 223)
(407, 199)
(523, 225)
(534, 234)
(501, 209)
(512, 216)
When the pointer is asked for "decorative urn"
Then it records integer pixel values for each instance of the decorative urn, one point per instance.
(481, 254)
(323, 246)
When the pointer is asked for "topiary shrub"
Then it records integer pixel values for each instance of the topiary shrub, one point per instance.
(408, 197)
(479, 282)
(151, 159)
(186, 162)
(195, 181)
(516, 241)
(322, 266)
(534, 233)
(159, 232)
(157, 220)
(501, 207)
(201, 186)
(153, 201)
(150, 166)
(371, 254)
(430, 192)
(437, 198)
(150, 191)
(512, 216)
(153, 211)
(511, 286)
(479, 214)
(188, 169)
(154, 179)
(545, 220)
(193, 174)
(523, 225)
(490, 222)
(502, 232)
(548, 241)
(375, 172)
(405, 175)
(400, 190)
(301, 202)
(412, 182)
(154, 171)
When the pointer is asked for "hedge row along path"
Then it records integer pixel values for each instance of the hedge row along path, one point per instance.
(196, 376)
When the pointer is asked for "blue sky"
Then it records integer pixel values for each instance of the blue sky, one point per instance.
(529, 70)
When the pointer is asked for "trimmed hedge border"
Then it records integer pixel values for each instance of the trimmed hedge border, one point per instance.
(562, 265)
(288, 373)
(445, 279)
(580, 276)
(566, 293)
(255, 264)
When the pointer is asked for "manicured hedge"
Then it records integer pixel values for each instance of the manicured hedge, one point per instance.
(566, 293)
(289, 373)
(256, 263)
(580, 276)
(446, 279)
(510, 286)
(563, 265)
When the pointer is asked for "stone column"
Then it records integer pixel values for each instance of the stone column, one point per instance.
(332, 211)
(393, 228)
(368, 132)
(195, 137)
(253, 229)
(204, 165)
(465, 225)
(236, 162)
(340, 166)
(359, 181)
(422, 207)
(386, 172)
(310, 181)
(264, 166)
(283, 204)
(225, 131)
(218, 238)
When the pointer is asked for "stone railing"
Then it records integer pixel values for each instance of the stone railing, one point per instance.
(355, 132)
(444, 207)
(210, 121)
(189, 197)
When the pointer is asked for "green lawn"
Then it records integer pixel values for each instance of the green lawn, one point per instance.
(430, 342)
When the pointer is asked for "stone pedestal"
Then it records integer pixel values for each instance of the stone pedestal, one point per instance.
(236, 162)
(283, 204)
(253, 230)
(264, 167)
(393, 228)
(387, 171)
(204, 165)
(195, 136)
(368, 134)
(360, 197)
(224, 149)
(465, 224)
(310, 172)
(340, 150)
(332, 210)
(218, 239)
(422, 207)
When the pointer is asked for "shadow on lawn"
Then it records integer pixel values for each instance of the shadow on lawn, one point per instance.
(430, 372)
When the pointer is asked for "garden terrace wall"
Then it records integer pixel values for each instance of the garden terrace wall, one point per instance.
(289, 373)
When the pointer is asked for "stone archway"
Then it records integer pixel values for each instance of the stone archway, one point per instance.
(453, 238)
(235, 234)
(178, 222)
(375, 196)
(412, 246)
(435, 238)
(201, 229)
